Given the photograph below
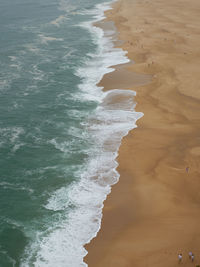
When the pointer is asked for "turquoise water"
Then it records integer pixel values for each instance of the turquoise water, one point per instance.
(56, 159)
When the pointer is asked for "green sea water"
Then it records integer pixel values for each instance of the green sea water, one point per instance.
(43, 142)
(59, 132)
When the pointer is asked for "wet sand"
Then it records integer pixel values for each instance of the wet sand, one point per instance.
(153, 213)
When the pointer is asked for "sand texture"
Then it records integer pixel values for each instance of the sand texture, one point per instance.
(153, 213)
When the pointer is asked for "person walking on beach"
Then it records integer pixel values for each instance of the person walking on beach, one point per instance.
(190, 255)
(180, 257)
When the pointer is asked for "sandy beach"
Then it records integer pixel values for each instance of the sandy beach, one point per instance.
(153, 213)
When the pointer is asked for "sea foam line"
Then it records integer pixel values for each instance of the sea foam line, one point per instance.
(63, 246)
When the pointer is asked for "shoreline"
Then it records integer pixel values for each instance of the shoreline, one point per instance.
(152, 213)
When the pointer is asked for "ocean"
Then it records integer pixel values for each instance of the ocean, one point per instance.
(59, 132)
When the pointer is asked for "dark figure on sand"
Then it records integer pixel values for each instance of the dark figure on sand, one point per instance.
(192, 257)
(180, 257)
(190, 254)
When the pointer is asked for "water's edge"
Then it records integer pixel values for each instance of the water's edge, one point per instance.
(110, 103)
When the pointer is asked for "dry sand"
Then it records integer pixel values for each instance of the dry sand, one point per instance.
(153, 213)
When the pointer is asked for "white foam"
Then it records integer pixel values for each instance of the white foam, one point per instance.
(45, 39)
(63, 245)
(101, 61)
(12, 58)
(16, 187)
(32, 48)
(4, 83)
(11, 133)
(38, 75)
(11, 136)
(15, 66)
(62, 146)
(58, 20)
(66, 6)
